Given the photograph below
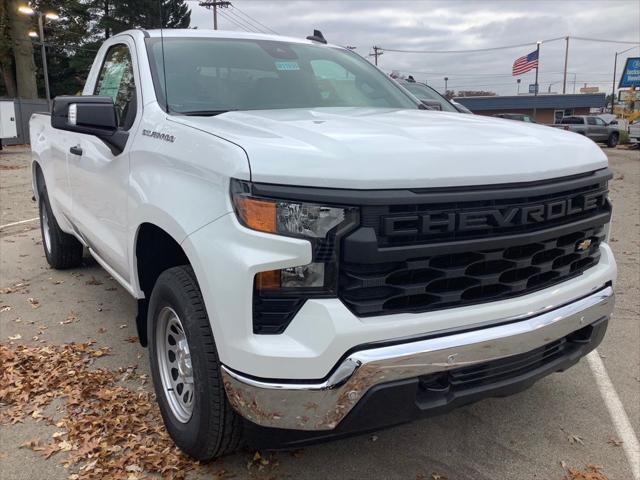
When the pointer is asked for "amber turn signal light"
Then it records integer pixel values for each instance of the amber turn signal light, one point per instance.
(268, 280)
(257, 214)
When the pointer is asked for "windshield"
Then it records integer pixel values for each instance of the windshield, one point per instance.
(425, 93)
(212, 75)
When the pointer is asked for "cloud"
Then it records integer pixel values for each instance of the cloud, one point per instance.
(453, 25)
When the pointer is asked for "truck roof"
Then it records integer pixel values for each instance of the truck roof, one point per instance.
(205, 33)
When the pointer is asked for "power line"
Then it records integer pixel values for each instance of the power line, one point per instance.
(237, 24)
(475, 50)
(601, 40)
(506, 47)
(254, 20)
(247, 23)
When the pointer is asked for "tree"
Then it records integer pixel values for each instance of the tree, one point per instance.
(118, 15)
(6, 54)
(25, 67)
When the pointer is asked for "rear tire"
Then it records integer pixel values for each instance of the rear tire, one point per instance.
(61, 249)
(186, 369)
(613, 139)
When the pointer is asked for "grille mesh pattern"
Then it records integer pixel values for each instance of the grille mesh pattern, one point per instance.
(450, 280)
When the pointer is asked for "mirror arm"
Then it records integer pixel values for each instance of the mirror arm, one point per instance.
(116, 142)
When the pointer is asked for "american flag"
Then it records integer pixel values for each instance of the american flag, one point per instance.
(526, 63)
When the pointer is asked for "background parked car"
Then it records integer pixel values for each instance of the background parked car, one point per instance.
(461, 108)
(591, 126)
(429, 97)
(634, 131)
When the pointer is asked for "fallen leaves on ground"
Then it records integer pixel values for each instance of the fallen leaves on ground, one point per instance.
(35, 303)
(72, 317)
(592, 472)
(614, 442)
(93, 281)
(20, 287)
(107, 430)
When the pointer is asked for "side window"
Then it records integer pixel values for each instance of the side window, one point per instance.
(591, 121)
(600, 122)
(116, 80)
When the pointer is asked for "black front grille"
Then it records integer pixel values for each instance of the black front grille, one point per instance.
(466, 278)
(386, 270)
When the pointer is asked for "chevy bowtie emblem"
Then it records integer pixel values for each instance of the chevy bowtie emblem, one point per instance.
(583, 245)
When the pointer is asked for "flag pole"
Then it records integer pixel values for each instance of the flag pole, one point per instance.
(536, 82)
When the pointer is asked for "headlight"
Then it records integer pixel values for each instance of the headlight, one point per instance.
(320, 224)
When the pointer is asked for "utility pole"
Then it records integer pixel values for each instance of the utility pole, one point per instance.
(566, 61)
(613, 90)
(215, 4)
(377, 51)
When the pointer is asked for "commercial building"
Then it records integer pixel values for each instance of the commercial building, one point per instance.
(549, 108)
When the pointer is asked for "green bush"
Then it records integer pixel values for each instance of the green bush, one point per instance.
(624, 137)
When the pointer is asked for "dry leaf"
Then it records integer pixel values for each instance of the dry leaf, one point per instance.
(614, 441)
(592, 472)
(575, 439)
(106, 425)
(17, 336)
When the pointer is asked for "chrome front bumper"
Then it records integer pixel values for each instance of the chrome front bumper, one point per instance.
(322, 405)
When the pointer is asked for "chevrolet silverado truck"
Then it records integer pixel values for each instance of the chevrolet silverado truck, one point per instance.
(591, 127)
(313, 253)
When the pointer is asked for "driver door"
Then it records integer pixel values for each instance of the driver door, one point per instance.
(98, 178)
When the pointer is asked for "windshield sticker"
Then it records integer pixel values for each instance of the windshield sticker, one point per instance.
(287, 66)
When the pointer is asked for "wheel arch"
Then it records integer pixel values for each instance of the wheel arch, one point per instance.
(156, 248)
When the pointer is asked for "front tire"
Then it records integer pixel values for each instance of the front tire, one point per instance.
(186, 369)
(61, 249)
(612, 141)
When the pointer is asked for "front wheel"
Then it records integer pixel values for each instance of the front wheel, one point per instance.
(61, 249)
(612, 141)
(186, 369)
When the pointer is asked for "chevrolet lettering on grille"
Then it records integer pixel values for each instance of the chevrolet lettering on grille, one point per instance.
(511, 216)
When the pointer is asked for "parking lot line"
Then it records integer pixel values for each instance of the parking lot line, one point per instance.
(616, 410)
(18, 223)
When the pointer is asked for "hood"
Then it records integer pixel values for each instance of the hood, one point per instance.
(381, 148)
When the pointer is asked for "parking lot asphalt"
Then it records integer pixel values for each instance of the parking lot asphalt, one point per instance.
(556, 429)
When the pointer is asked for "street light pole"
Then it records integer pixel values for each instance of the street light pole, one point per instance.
(45, 71)
(615, 66)
(446, 79)
(518, 82)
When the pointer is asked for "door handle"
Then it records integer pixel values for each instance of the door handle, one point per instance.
(76, 150)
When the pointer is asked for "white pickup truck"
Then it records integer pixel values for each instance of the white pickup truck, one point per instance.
(314, 254)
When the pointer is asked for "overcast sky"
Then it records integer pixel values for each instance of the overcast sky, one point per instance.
(458, 25)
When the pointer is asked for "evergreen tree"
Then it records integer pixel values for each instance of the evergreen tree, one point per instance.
(118, 15)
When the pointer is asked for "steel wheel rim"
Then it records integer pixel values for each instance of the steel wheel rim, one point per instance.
(174, 363)
(46, 232)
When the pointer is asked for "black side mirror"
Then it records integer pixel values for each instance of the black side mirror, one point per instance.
(90, 115)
